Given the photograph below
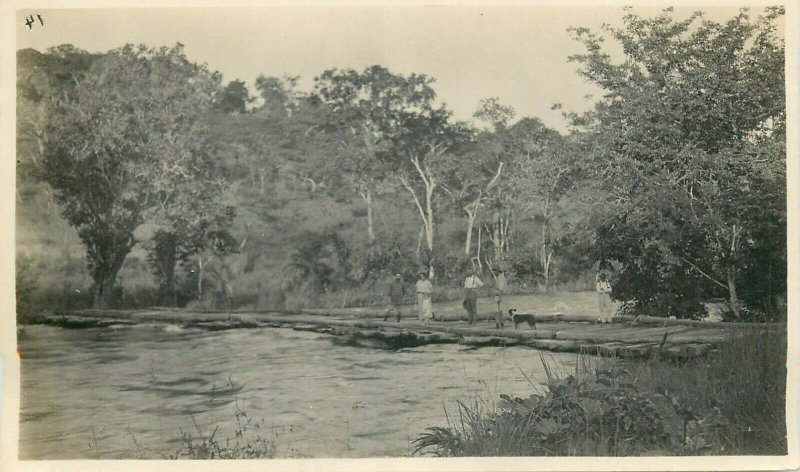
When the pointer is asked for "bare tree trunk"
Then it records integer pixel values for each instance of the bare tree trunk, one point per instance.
(479, 244)
(547, 261)
(227, 289)
(419, 239)
(425, 214)
(496, 240)
(546, 253)
(503, 236)
(507, 232)
(470, 223)
(429, 186)
(472, 212)
(200, 274)
(543, 256)
(108, 262)
(199, 277)
(104, 291)
(429, 218)
(734, 299)
(500, 235)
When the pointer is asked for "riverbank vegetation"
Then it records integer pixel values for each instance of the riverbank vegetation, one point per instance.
(190, 192)
(730, 402)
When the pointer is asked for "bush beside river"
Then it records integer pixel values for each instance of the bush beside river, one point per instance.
(731, 402)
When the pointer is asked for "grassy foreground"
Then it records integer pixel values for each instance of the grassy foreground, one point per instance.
(731, 402)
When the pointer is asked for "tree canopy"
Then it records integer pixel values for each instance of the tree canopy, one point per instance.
(689, 150)
(128, 139)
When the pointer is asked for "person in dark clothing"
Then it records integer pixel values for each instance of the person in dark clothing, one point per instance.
(396, 292)
(471, 285)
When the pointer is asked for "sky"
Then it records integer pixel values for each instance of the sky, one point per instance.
(518, 53)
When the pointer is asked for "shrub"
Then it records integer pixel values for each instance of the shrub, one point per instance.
(321, 261)
(597, 413)
(730, 402)
(660, 287)
(388, 257)
(450, 270)
(750, 314)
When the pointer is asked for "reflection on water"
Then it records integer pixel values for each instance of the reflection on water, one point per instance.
(88, 393)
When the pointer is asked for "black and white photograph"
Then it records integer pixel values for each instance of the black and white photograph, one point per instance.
(286, 233)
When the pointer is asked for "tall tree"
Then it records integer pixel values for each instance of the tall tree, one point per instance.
(491, 111)
(544, 169)
(369, 107)
(233, 98)
(424, 154)
(120, 145)
(479, 170)
(690, 138)
(471, 177)
(278, 94)
(196, 220)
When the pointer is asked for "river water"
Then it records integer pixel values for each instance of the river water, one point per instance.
(131, 392)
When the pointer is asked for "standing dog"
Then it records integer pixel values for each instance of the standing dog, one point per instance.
(517, 319)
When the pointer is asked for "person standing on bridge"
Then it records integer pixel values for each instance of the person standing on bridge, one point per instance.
(424, 293)
(603, 289)
(397, 293)
(471, 285)
(500, 290)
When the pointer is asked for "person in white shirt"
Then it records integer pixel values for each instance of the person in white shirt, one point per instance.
(603, 289)
(471, 285)
(424, 294)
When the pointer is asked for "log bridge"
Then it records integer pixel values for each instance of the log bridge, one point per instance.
(365, 327)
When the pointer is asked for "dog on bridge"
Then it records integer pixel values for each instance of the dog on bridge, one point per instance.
(519, 318)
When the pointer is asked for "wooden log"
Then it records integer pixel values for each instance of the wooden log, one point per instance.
(702, 335)
(579, 335)
(305, 327)
(438, 338)
(637, 350)
(685, 351)
(656, 333)
(487, 341)
(554, 345)
(372, 343)
(602, 349)
(220, 325)
(78, 322)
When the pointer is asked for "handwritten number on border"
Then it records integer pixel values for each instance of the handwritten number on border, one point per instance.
(30, 21)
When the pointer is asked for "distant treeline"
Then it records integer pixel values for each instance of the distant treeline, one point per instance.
(143, 180)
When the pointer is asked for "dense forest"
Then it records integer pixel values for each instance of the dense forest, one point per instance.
(144, 180)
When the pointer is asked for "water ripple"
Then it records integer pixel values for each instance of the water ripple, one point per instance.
(310, 395)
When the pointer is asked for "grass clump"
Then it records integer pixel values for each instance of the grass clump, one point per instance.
(244, 445)
(734, 400)
(729, 402)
